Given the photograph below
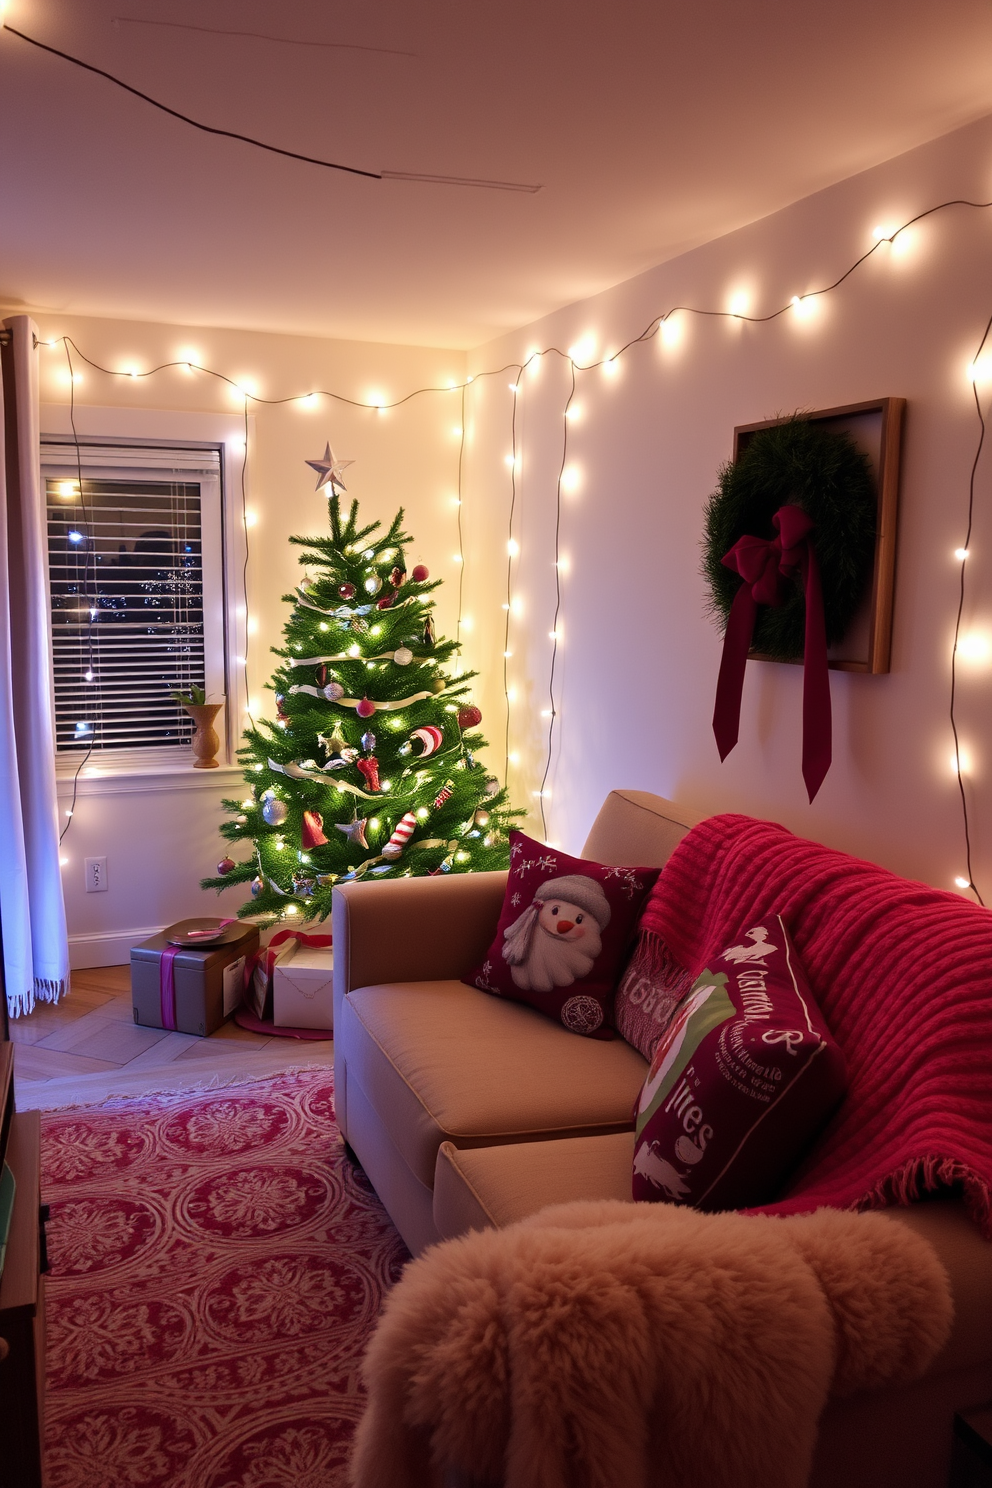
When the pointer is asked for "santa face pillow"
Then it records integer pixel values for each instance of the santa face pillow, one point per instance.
(563, 934)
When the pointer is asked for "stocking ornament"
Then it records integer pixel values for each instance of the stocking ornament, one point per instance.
(370, 769)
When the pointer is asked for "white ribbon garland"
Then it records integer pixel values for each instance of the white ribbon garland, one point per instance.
(346, 702)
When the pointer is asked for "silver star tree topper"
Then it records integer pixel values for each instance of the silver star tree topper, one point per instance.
(329, 470)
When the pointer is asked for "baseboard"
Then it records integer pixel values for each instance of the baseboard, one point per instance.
(107, 947)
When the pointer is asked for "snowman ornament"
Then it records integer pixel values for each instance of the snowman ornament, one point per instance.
(558, 937)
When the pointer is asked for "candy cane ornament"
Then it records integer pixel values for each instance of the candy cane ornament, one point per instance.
(401, 836)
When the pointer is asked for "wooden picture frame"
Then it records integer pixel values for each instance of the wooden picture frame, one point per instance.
(876, 427)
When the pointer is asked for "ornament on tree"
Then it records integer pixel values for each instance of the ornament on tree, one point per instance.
(256, 887)
(333, 691)
(280, 715)
(438, 685)
(397, 578)
(429, 635)
(322, 675)
(386, 602)
(481, 817)
(354, 830)
(373, 584)
(429, 737)
(312, 833)
(368, 742)
(403, 656)
(370, 769)
(329, 471)
(303, 886)
(420, 574)
(444, 794)
(347, 591)
(491, 787)
(469, 717)
(226, 865)
(274, 811)
(402, 833)
(365, 708)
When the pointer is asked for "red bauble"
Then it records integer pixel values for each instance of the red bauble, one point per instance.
(322, 675)
(385, 602)
(346, 591)
(365, 708)
(469, 717)
(226, 865)
(421, 574)
(370, 769)
(397, 578)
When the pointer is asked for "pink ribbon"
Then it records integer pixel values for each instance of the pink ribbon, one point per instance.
(767, 566)
(167, 987)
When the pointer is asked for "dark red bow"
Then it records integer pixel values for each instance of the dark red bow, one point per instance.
(766, 568)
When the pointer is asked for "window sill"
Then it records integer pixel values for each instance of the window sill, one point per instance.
(112, 780)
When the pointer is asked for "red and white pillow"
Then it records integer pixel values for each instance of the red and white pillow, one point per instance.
(564, 930)
(742, 1080)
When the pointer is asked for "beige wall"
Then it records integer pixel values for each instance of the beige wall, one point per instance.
(639, 658)
(160, 833)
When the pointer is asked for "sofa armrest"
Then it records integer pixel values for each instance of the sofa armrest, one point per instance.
(413, 929)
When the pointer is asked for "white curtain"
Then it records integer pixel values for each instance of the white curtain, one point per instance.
(32, 911)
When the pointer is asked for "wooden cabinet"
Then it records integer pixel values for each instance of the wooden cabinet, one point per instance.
(22, 1316)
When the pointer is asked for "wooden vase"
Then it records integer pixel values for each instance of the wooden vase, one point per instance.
(206, 740)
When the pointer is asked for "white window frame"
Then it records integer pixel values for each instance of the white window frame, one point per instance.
(225, 619)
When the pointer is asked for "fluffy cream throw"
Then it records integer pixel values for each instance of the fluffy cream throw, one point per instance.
(609, 1345)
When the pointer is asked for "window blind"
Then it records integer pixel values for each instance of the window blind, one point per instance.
(125, 552)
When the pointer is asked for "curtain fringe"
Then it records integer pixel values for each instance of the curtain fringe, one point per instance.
(44, 989)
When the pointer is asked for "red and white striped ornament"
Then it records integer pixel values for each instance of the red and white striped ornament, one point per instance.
(401, 836)
(444, 794)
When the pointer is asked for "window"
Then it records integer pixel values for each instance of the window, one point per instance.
(136, 578)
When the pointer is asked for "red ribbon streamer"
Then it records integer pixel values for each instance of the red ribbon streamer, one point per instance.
(167, 987)
(766, 566)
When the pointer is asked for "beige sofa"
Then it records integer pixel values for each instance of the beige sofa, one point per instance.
(467, 1111)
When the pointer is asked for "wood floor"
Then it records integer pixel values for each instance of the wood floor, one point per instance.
(88, 1047)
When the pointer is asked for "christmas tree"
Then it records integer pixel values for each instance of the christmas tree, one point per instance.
(369, 768)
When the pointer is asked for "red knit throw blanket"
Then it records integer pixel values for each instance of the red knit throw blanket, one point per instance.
(903, 974)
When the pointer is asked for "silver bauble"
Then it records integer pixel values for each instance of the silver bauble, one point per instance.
(403, 656)
(275, 812)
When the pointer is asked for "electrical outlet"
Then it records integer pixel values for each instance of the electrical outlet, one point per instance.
(95, 875)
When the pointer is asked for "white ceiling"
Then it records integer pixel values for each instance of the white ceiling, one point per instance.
(650, 126)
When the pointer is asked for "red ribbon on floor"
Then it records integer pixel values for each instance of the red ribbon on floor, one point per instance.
(767, 566)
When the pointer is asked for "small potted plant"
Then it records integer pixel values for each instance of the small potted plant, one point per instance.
(206, 740)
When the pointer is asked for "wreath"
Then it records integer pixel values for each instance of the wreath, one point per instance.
(830, 478)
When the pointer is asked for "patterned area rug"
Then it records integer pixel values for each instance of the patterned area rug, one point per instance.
(217, 1267)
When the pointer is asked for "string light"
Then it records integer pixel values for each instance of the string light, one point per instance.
(669, 331)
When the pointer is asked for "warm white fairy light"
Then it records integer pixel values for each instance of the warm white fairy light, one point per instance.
(584, 349)
(961, 554)
(610, 367)
(739, 303)
(975, 647)
(883, 234)
(514, 387)
(456, 432)
(571, 478)
(962, 883)
(67, 489)
(455, 558)
(513, 547)
(309, 401)
(574, 412)
(251, 518)
(670, 332)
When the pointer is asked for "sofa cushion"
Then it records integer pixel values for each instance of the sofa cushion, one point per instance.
(442, 1062)
(743, 1079)
(482, 1188)
(563, 935)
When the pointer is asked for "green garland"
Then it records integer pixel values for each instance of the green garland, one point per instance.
(826, 474)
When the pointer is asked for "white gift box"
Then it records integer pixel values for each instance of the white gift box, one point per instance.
(302, 991)
(258, 993)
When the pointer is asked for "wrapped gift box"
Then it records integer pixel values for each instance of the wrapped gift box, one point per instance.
(302, 989)
(258, 993)
(191, 987)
